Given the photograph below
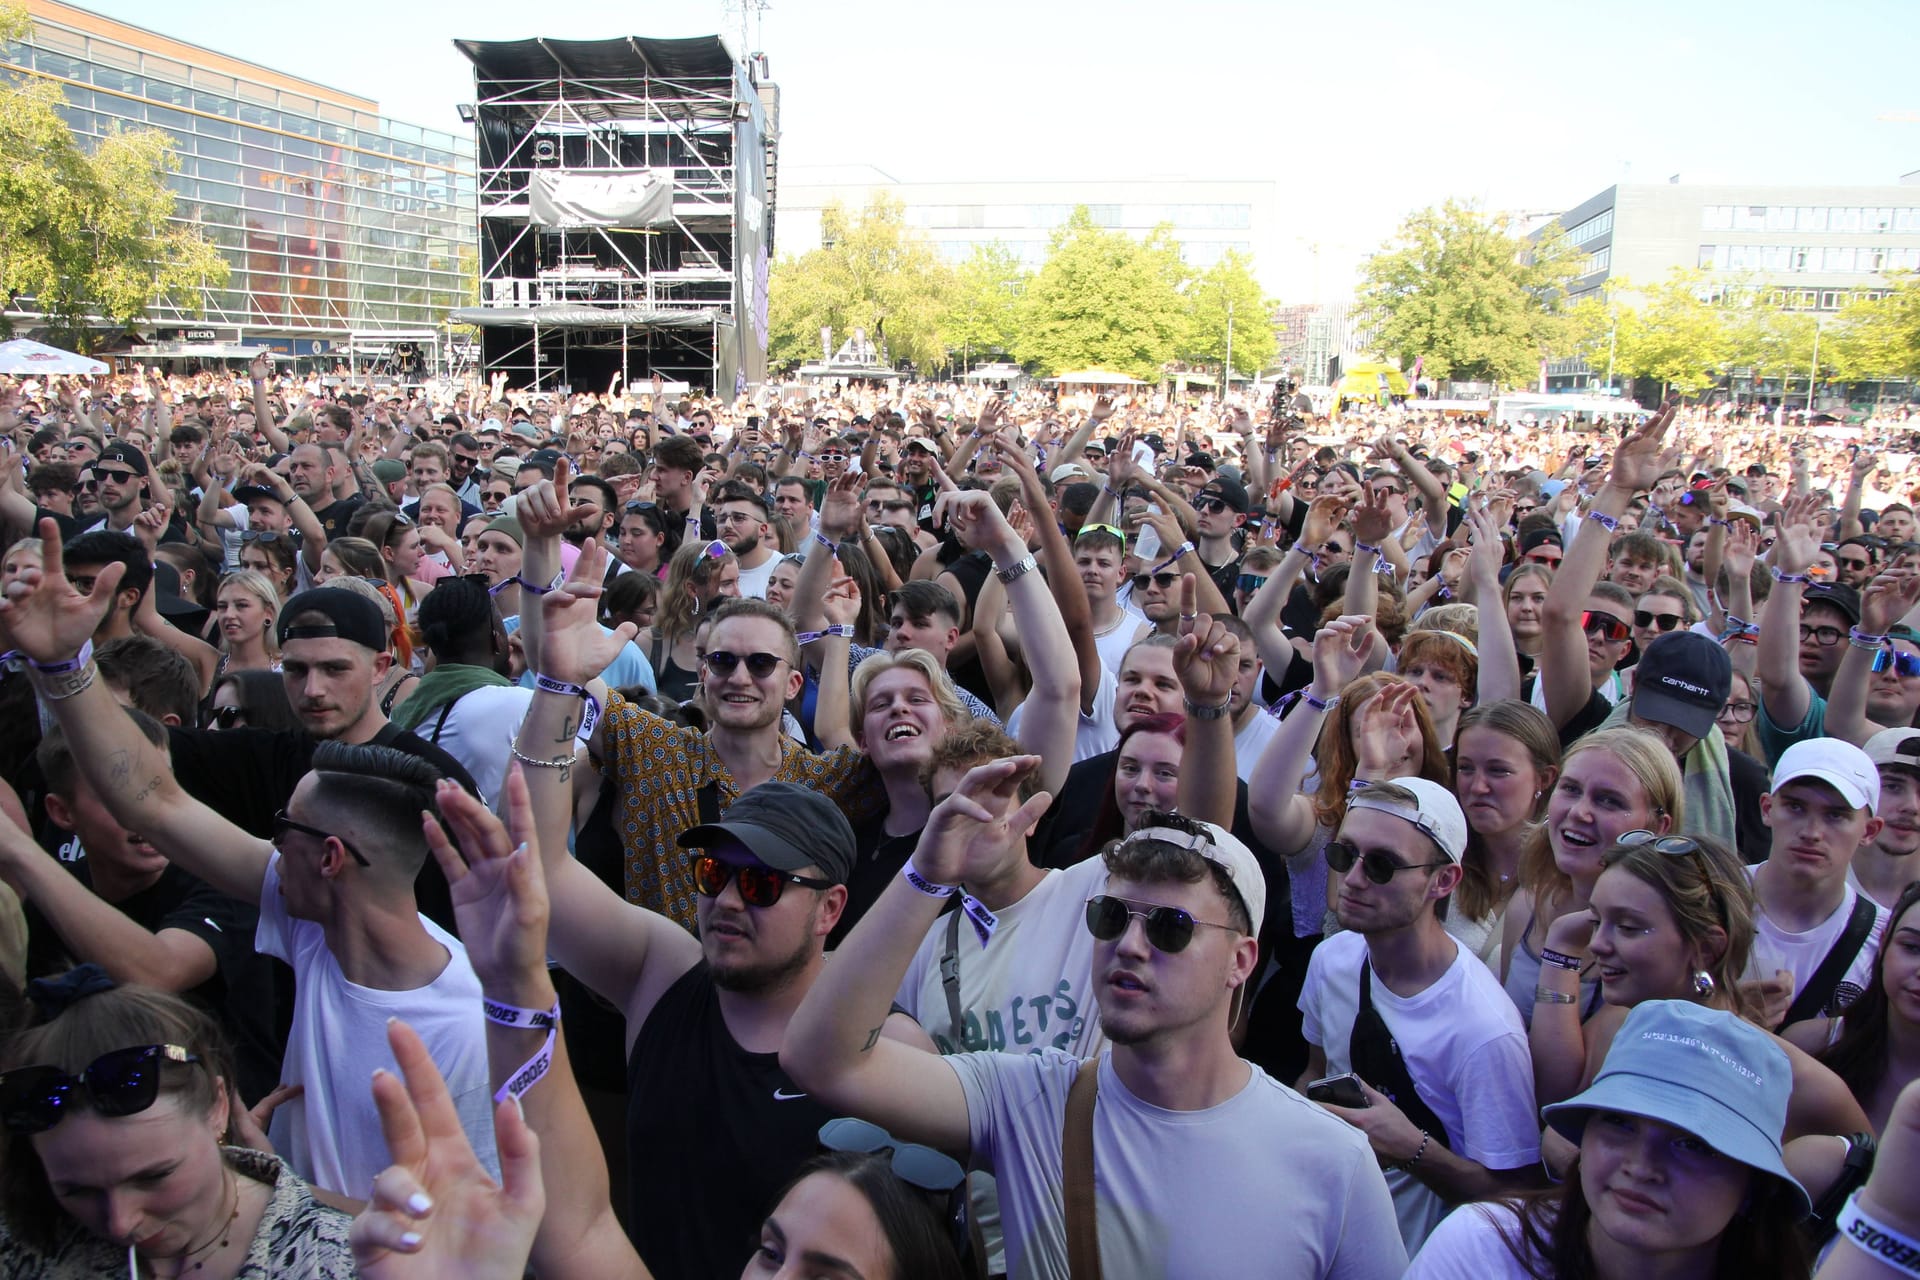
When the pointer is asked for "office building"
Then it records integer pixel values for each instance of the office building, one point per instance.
(1207, 218)
(1807, 249)
(341, 225)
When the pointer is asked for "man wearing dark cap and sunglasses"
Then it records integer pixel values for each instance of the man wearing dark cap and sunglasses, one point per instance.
(1438, 1046)
(1173, 948)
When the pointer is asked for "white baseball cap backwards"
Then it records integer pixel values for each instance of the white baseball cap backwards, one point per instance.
(1437, 814)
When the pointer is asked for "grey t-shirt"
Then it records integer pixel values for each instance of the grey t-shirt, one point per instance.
(1264, 1184)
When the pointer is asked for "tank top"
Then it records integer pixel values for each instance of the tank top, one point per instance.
(713, 1133)
(670, 678)
(1523, 975)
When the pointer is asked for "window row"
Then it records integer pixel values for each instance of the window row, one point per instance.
(1831, 258)
(1048, 216)
(1593, 228)
(1820, 299)
(1787, 217)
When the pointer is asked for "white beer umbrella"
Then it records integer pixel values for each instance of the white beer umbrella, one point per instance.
(22, 358)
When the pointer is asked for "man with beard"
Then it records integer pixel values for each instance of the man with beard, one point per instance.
(122, 475)
(1396, 1000)
(740, 520)
(1884, 865)
(705, 1019)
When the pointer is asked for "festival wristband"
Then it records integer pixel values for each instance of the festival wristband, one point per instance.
(66, 668)
(535, 589)
(826, 542)
(1561, 960)
(589, 716)
(1368, 548)
(978, 914)
(1801, 578)
(838, 629)
(1880, 1241)
(1605, 521)
(1865, 639)
(533, 1068)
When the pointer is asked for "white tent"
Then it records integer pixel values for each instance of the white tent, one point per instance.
(22, 358)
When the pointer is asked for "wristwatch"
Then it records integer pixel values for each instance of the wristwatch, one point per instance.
(1019, 569)
(1195, 711)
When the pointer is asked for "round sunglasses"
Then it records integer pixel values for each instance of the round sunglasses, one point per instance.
(1169, 929)
(1375, 865)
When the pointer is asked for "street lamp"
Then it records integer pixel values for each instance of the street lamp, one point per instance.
(1226, 375)
(1813, 374)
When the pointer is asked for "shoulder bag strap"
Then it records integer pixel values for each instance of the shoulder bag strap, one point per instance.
(1818, 993)
(1083, 1236)
(950, 979)
(1374, 1056)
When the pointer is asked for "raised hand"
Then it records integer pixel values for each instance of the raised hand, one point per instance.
(1341, 649)
(841, 511)
(1486, 550)
(1636, 463)
(1887, 599)
(971, 833)
(1102, 408)
(495, 879)
(41, 614)
(434, 1213)
(544, 510)
(1206, 657)
(1371, 524)
(841, 602)
(563, 637)
(1323, 517)
(977, 522)
(1386, 736)
(1798, 539)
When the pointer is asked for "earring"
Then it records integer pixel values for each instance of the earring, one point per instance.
(1702, 983)
(696, 607)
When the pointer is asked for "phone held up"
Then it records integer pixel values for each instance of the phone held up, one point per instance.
(1340, 1091)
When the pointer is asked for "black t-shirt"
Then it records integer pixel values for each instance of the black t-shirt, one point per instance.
(1750, 780)
(1226, 576)
(334, 516)
(713, 1134)
(248, 775)
(71, 527)
(240, 994)
(877, 859)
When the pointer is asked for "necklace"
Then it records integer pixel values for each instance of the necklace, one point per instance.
(220, 1237)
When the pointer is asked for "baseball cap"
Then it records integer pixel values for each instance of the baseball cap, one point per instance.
(1231, 492)
(1707, 1071)
(1069, 471)
(1437, 812)
(349, 616)
(525, 427)
(492, 425)
(248, 494)
(1540, 538)
(1895, 746)
(387, 470)
(1837, 594)
(124, 454)
(1683, 680)
(1841, 765)
(1550, 489)
(1223, 848)
(921, 443)
(786, 826)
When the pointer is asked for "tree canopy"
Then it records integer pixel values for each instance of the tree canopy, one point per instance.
(1228, 288)
(1461, 289)
(871, 272)
(983, 310)
(84, 235)
(1106, 299)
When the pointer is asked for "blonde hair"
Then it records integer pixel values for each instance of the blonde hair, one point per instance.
(260, 587)
(1648, 759)
(952, 710)
(1461, 619)
(1449, 650)
(691, 566)
(1336, 755)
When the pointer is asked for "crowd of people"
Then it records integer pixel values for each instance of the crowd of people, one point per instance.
(930, 833)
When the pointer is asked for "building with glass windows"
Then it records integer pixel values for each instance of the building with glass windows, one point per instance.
(1207, 218)
(341, 225)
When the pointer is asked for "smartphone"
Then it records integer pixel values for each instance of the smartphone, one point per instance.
(1341, 1091)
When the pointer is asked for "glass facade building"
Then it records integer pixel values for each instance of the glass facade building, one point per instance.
(334, 218)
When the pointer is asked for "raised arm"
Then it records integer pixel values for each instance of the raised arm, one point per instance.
(49, 623)
(834, 1048)
(1076, 444)
(1743, 544)
(1784, 692)
(1863, 465)
(1282, 817)
(1062, 577)
(1371, 527)
(1433, 493)
(1207, 660)
(1499, 660)
(1882, 604)
(839, 517)
(259, 371)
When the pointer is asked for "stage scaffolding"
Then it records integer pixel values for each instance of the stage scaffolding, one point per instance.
(626, 211)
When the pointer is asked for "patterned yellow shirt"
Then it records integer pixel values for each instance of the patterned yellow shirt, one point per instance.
(658, 769)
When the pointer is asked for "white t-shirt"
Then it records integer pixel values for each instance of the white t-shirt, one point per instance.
(478, 732)
(1468, 1246)
(339, 1035)
(753, 582)
(1801, 953)
(1114, 644)
(1030, 989)
(1250, 741)
(1094, 734)
(1464, 1046)
(1264, 1184)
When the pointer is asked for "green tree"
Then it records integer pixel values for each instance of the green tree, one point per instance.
(1670, 333)
(983, 311)
(1766, 339)
(1229, 288)
(85, 236)
(873, 273)
(1458, 287)
(1103, 298)
(1874, 339)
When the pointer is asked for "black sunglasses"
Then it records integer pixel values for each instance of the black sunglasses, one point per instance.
(759, 665)
(1376, 866)
(283, 824)
(227, 717)
(1169, 929)
(1141, 581)
(1644, 618)
(1209, 505)
(760, 886)
(1671, 846)
(122, 1083)
(931, 1171)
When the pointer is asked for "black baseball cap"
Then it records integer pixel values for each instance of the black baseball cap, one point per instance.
(349, 616)
(1683, 680)
(126, 455)
(1231, 492)
(786, 826)
(1837, 594)
(248, 494)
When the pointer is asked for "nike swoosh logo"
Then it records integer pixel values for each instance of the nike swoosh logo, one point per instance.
(211, 925)
(781, 1095)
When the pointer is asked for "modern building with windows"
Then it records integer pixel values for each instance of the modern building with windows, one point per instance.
(341, 225)
(1806, 248)
(1207, 218)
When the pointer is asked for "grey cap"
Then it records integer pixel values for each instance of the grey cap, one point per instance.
(787, 827)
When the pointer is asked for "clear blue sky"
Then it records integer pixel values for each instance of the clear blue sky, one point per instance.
(1362, 112)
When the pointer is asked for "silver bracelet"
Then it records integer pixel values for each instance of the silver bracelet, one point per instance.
(558, 762)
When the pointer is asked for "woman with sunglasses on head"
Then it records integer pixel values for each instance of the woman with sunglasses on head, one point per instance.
(700, 575)
(252, 700)
(402, 551)
(1505, 763)
(349, 558)
(641, 535)
(1680, 1173)
(1670, 918)
(244, 610)
(1611, 782)
(121, 1154)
